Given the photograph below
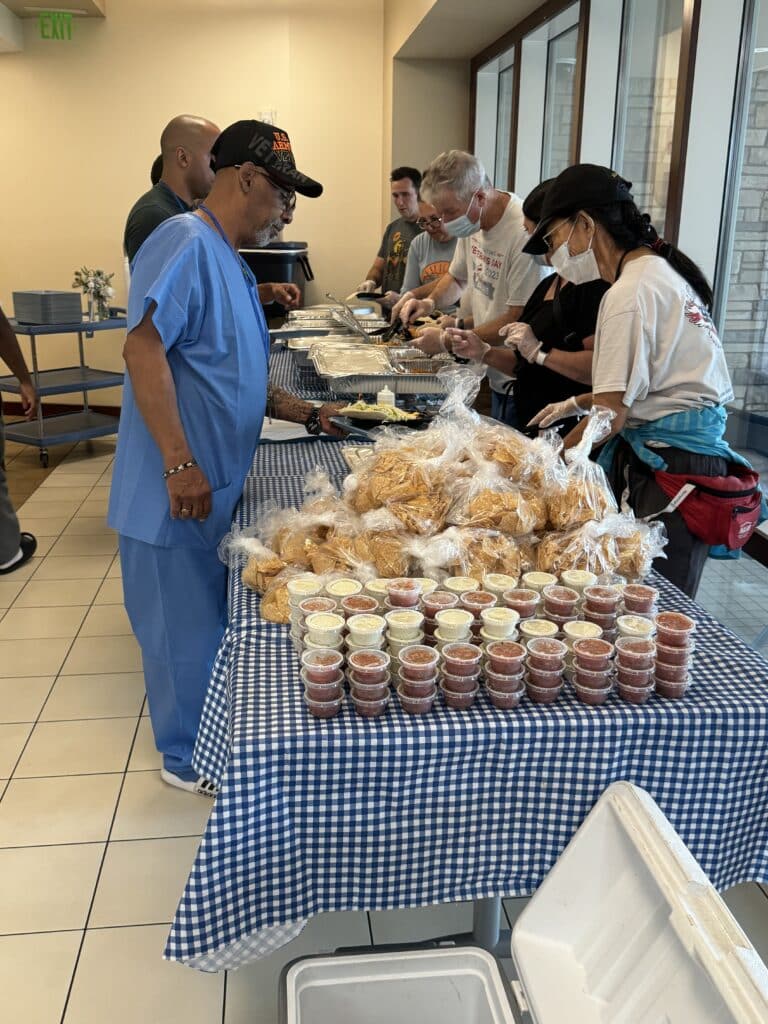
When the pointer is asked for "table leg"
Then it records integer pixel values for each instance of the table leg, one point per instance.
(36, 378)
(82, 367)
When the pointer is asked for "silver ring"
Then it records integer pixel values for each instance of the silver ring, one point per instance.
(186, 511)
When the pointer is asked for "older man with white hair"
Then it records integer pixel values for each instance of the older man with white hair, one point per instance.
(488, 261)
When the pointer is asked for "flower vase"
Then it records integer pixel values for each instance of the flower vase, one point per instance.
(92, 309)
(102, 309)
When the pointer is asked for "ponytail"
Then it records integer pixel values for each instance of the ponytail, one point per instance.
(629, 228)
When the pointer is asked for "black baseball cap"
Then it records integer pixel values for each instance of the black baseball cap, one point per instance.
(266, 146)
(580, 187)
(533, 203)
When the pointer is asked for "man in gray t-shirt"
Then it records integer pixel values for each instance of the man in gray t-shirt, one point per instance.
(388, 269)
(430, 255)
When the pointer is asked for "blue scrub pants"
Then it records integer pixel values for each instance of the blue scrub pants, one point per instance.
(176, 599)
(505, 413)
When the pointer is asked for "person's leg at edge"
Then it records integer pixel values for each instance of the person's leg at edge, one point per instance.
(10, 533)
(176, 599)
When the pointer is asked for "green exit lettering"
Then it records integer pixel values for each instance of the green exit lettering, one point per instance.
(55, 24)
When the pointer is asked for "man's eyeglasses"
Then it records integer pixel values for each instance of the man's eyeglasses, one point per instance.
(287, 196)
(429, 222)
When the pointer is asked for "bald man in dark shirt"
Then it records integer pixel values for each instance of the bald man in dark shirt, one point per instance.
(185, 147)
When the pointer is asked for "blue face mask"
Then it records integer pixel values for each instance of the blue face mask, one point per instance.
(463, 227)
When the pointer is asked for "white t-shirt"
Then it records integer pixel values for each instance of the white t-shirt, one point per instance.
(497, 273)
(656, 343)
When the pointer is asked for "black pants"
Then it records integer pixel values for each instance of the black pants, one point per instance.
(686, 554)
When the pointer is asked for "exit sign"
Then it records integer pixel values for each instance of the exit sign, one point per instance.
(55, 24)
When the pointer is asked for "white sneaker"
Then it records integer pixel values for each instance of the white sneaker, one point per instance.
(201, 786)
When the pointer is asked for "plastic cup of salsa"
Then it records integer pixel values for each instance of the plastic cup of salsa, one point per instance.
(675, 655)
(461, 659)
(543, 679)
(370, 708)
(634, 694)
(503, 683)
(459, 701)
(543, 694)
(635, 652)
(638, 678)
(323, 691)
(546, 654)
(321, 666)
(523, 601)
(416, 705)
(370, 666)
(505, 700)
(601, 599)
(674, 629)
(672, 691)
(593, 654)
(460, 684)
(404, 593)
(476, 601)
(560, 600)
(606, 622)
(438, 601)
(505, 657)
(368, 691)
(591, 680)
(323, 709)
(639, 598)
(315, 604)
(429, 626)
(593, 697)
(359, 604)
(417, 687)
(670, 673)
(418, 662)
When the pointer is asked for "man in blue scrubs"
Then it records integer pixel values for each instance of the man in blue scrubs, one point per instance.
(193, 405)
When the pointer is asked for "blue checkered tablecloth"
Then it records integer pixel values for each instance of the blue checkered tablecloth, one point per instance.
(353, 814)
(302, 382)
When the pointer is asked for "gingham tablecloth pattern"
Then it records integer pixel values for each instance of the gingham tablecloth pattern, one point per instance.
(353, 814)
(304, 383)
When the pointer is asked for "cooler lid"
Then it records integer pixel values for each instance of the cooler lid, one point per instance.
(626, 929)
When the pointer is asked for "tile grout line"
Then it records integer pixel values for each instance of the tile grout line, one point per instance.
(57, 674)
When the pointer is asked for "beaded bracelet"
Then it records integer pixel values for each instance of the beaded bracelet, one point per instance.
(179, 469)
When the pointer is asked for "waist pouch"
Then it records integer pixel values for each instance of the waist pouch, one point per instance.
(716, 509)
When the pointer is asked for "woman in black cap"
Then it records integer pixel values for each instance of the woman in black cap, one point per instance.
(549, 349)
(658, 362)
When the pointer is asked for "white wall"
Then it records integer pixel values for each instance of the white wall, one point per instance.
(530, 125)
(603, 53)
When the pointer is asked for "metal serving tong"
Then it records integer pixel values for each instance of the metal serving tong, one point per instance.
(346, 317)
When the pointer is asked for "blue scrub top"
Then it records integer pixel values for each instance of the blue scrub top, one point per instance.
(216, 339)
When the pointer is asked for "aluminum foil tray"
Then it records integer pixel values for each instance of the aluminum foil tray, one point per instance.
(335, 361)
(398, 383)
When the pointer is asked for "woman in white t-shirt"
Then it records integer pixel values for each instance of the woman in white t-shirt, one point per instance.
(658, 362)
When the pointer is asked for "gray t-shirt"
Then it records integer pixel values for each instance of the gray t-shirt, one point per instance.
(428, 260)
(394, 251)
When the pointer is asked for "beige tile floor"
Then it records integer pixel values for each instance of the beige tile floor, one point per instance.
(94, 849)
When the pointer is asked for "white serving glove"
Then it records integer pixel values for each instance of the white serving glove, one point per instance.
(367, 286)
(557, 411)
(412, 309)
(467, 344)
(521, 338)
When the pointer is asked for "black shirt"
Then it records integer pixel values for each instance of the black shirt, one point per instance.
(152, 209)
(536, 386)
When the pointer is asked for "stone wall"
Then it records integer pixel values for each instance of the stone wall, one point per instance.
(746, 319)
(648, 143)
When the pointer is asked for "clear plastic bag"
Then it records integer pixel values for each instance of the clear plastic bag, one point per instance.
(487, 499)
(585, 494)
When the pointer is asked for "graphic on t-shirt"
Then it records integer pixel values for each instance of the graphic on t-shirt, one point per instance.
(698, 316)
(398, 251)
(486, 270)
(434, 271)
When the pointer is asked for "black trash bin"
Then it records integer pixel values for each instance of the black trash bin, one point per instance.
(284, 262)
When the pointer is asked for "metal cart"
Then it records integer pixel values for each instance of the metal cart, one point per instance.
(64, 428)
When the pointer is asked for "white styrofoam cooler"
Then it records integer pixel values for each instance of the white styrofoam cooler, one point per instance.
(625, 929)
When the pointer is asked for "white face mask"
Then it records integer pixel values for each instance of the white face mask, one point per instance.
(579, 269)
(463, 227)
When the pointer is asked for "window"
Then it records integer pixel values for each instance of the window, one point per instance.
(741, 286)
(559, 106)
(493, 116)
(647, 100)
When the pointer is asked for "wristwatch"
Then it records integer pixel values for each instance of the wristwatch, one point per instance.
(312, 423)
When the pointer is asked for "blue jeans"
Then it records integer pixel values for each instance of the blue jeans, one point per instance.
(505, 414)
(176, 599)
